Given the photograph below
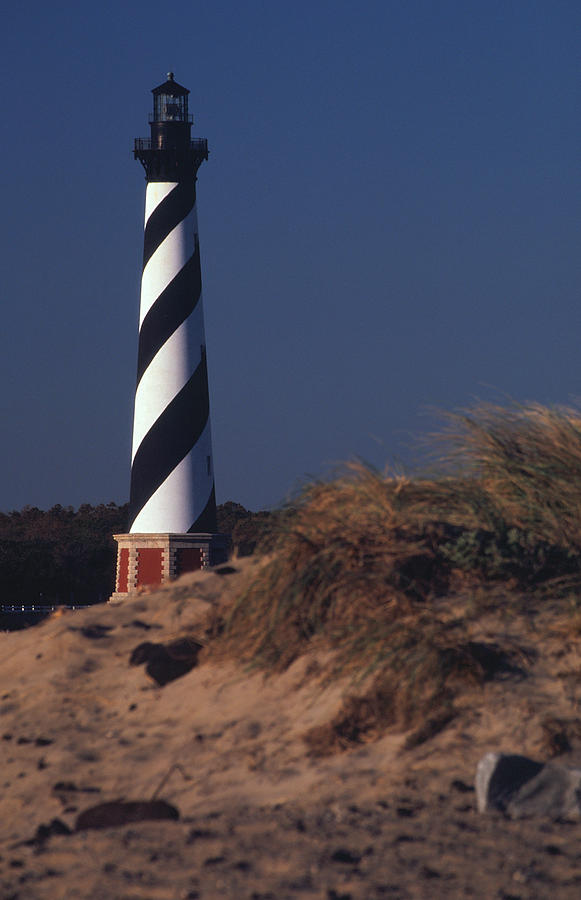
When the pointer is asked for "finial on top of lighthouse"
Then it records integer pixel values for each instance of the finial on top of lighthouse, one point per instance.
(170, 76)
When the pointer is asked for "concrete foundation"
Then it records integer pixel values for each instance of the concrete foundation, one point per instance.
(148, 560)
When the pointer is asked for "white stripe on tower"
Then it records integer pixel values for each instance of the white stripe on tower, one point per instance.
(167, 260)
(166, 375)
(172, 483)
(165, 510)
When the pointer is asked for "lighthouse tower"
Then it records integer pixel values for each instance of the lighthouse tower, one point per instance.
(172, 500)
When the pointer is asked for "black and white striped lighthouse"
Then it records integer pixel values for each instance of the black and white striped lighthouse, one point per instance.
(172, 500)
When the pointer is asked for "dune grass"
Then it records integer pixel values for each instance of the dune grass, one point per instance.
(528, 461)
(368, 564)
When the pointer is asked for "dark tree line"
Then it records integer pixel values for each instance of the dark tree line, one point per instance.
(68, 556)
(59, 555)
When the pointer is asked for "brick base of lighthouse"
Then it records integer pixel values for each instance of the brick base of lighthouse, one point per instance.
(147, 560)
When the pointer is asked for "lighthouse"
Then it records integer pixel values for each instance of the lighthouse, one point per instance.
(172, 507)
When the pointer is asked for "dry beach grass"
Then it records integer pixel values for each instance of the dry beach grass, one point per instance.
(335, 696)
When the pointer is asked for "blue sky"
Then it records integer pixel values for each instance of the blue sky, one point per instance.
(389, 223)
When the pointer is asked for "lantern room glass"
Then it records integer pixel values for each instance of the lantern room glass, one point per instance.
(170, 108)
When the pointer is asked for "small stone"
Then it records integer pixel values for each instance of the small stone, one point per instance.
(521, 787)
(555, 792)
(166, 662)
(499, 776)
(119, 812)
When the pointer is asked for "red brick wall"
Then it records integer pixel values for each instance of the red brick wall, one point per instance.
(123, 579)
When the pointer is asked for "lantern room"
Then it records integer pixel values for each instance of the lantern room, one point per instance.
(170, 154)
(170, 102)
(170, 124)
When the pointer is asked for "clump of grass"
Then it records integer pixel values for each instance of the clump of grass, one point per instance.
(526, 463)
(514, 493)
(365, 562)
(350, 557)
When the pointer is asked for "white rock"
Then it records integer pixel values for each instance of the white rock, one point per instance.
(521, 787)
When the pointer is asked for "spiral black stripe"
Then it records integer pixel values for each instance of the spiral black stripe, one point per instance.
(207, 521)
(172, 307)
(170, 439)
(170, 212)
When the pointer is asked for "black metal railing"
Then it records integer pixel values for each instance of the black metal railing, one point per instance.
(200, 145)
(38, 608)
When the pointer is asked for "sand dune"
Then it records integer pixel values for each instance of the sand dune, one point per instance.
(223, 747)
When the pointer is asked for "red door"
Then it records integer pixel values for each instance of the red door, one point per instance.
(149, 565)
(188, 559)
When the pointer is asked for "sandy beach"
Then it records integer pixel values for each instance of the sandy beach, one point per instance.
(248, 812)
